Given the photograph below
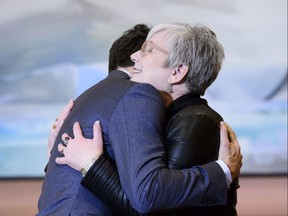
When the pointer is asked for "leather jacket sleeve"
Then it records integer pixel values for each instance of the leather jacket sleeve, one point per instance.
(102, 180)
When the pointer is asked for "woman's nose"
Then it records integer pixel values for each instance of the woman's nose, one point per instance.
(135, 57)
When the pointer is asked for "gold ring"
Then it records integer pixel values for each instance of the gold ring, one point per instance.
(66, 139)
(62, 150)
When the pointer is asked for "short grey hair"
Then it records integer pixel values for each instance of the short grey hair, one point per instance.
(194, 46)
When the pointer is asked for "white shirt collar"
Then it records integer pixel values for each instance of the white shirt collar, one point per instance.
(129, 74)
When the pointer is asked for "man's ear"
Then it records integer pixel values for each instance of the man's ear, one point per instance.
(179, 74)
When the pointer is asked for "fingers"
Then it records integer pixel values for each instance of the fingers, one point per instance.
(65, 141)
(97, 134)
(63, 115)
(65, 138)
(57, 125)
(231, 133)
(233, 138)
(237, 147)
(97, 131)
(61, 148)
(70, 105)
(77, 129)
(224, 139)
(229, 150)
(66, 110)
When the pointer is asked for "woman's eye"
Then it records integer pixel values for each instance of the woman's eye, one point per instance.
(149, 49)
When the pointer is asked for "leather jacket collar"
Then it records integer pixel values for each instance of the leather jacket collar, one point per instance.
(181, 102)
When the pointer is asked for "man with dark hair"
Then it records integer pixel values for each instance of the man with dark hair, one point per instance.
(130, 42)
(69, 197)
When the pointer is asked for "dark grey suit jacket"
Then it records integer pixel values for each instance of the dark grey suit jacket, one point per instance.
(132, 120)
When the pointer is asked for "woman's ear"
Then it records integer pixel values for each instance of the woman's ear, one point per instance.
(179, 73)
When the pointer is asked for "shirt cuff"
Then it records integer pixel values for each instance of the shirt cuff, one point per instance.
(226, 171)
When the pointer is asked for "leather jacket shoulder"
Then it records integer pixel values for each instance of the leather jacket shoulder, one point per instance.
(192, 137)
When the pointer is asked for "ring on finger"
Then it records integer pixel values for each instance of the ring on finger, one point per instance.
(62, 150)
(66, 139)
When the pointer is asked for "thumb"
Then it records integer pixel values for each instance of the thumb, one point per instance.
(77, 131)
(223, 133)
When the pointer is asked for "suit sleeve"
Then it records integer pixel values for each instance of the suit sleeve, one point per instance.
(136, 137)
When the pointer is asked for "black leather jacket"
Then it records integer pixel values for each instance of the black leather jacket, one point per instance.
(192, 138)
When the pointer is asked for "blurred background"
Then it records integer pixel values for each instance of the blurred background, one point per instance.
(51, 51)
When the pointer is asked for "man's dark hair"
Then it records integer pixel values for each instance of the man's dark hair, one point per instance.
(130, 42)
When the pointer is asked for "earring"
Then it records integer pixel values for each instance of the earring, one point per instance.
(170, 89)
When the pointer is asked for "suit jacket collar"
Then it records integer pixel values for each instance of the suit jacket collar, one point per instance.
(118, 74)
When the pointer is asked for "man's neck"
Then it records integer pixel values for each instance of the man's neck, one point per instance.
(126, 70)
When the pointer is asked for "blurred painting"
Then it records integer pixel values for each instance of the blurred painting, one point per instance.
(52, 51)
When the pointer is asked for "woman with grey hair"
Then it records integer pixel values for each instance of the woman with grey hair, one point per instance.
(183, 61)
